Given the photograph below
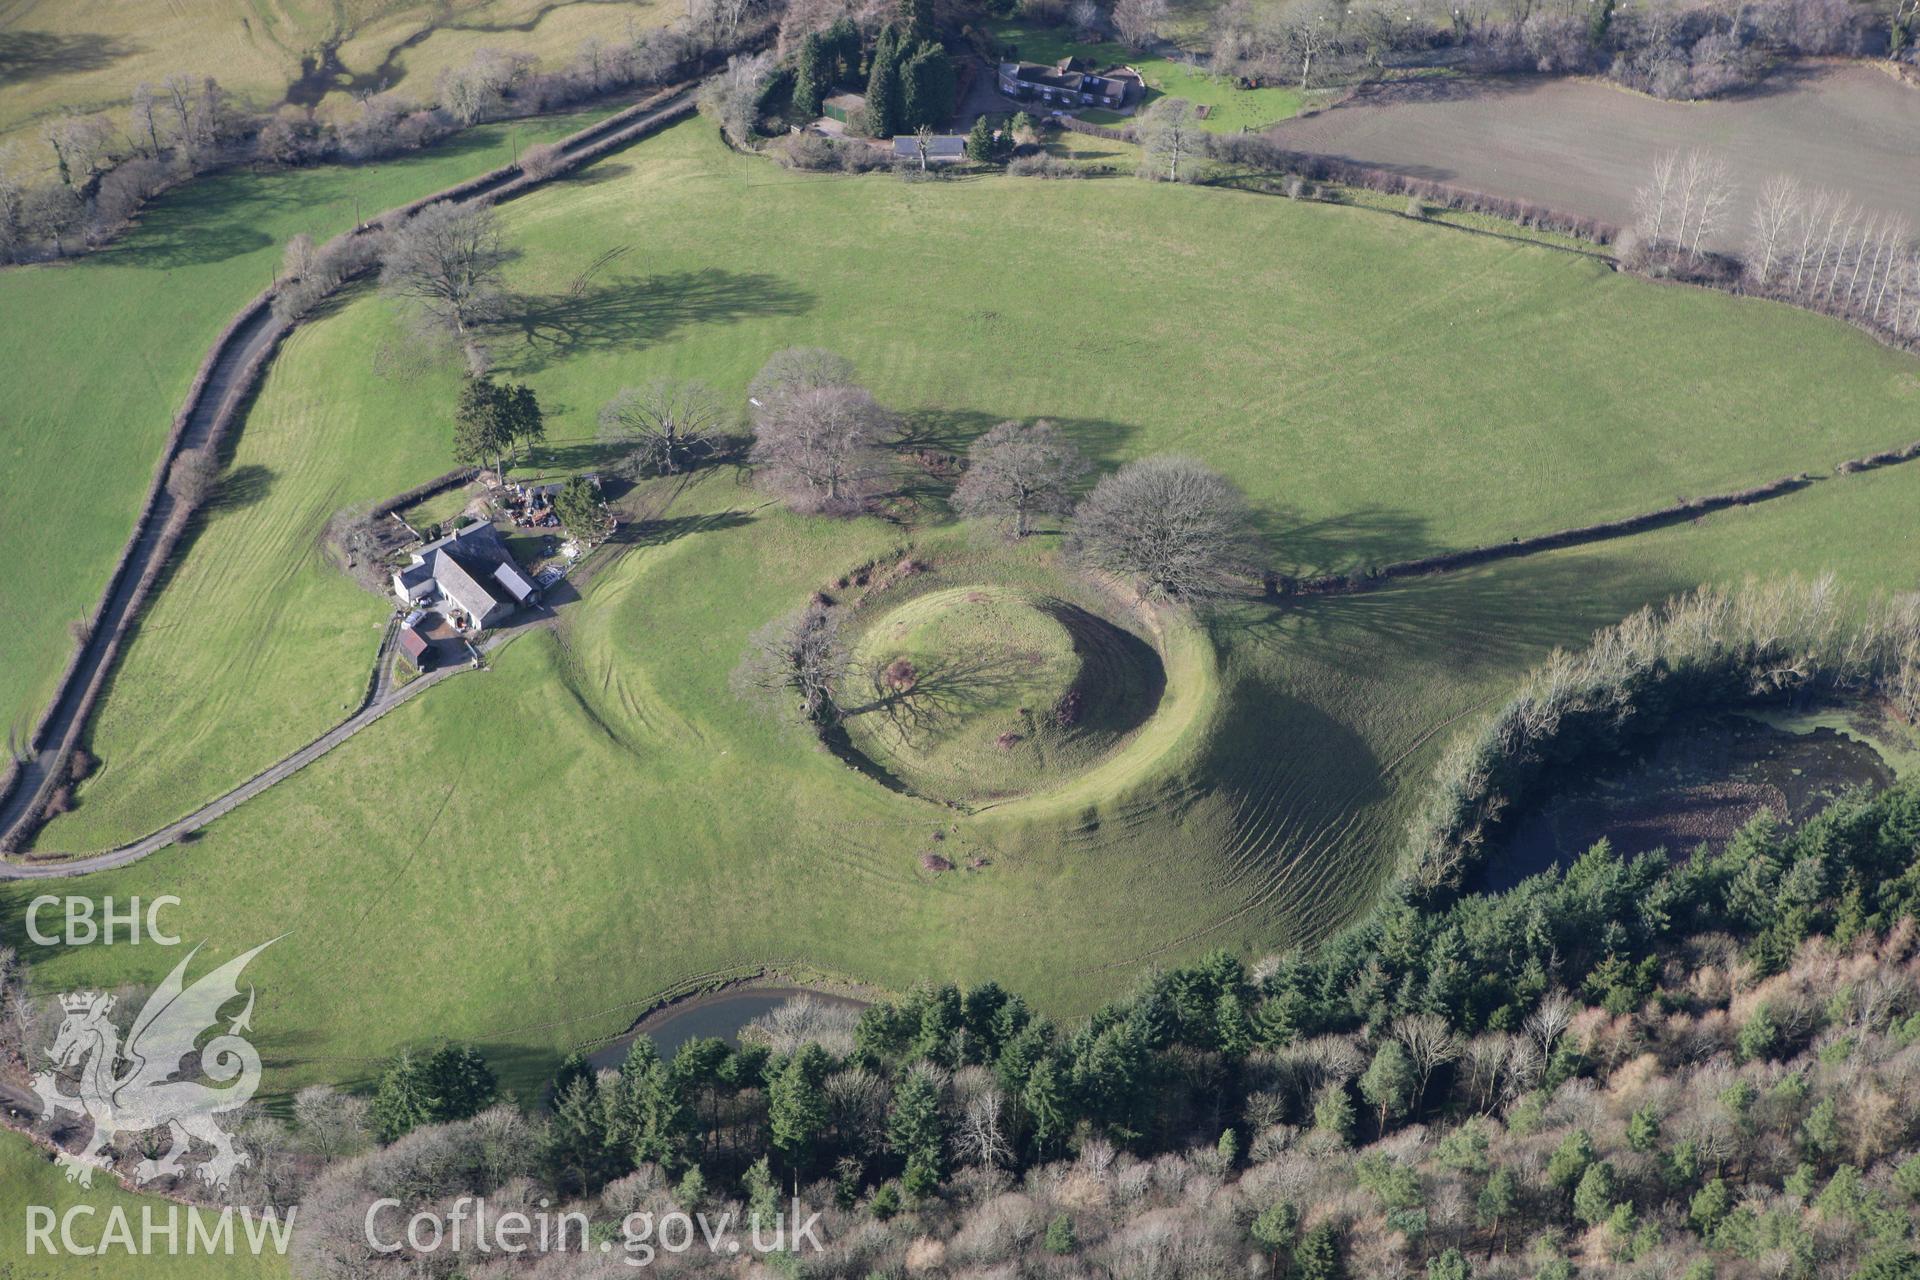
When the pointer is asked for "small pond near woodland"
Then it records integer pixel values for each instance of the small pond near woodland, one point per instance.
(1699, 783)
(722, 1013)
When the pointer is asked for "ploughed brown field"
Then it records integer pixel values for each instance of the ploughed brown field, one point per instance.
(1583, 146)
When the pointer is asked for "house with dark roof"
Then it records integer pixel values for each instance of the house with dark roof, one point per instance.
(1066, 84)
(470, 574)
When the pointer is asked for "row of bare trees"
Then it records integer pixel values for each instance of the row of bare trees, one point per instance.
(1822, 249)
(1808, 245)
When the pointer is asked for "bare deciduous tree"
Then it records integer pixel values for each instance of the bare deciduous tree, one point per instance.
(542, 160)
(980, 1138)
(193, 477)
(1138, 21)
(1174, 527)
(1016, 472)
(663, 425)
(793, 664)
(1429, 1042)
(1169, 133)
(330, 1123)
(1654, 202)
(820, 447)
(1685, 202)
(732, 97)
(447, 259)
(78, 143)
(1780, 205)
(298, 259)
(792, 369)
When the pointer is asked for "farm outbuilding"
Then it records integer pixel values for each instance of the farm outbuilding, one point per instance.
(841, 107)
(945, 148)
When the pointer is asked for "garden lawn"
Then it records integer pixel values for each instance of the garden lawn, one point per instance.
(528, 857)
(1230, 109)
(101, 350)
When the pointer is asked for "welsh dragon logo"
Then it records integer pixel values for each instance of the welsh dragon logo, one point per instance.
(132, 1088)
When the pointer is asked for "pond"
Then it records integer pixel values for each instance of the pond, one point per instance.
(1698, 784)
(720, 1013)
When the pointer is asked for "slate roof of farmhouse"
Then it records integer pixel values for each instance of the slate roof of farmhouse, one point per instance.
(465, 579)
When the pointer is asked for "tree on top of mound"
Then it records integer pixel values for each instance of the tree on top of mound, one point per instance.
(1177, 529)
(1016, 472)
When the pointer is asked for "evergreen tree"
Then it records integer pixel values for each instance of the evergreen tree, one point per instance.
(1497, 1199)
(1231, 1031)
(810, 76)
(578, 1156)
(1389, 1082)
(1333, 1112)
(920, 21)
(763, 1193)
(1593, 1198)
(926, 88)
(1046, 1104)
(492, 420)
(981, 147)
(841, 45)
(1643, 1130)
(797, 1107)
(1277, 1230)
(942, 1019)
(1710, 1205)
(916, 1132)
(884, 115)
(459, 1082)
(1570, 1159)
(1451, 1265)
(403, 1101)
(1318, 1257)
(1061, 1237)
(648, 1117)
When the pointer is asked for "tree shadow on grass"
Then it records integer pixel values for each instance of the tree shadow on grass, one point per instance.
(630, 315)
(939, 691)
(1502, 616)
(240, 488)
(34, 55)
(658, 533)
(1350, 542)
(951, 431)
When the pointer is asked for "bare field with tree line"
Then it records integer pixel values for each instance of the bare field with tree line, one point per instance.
(1585, 146)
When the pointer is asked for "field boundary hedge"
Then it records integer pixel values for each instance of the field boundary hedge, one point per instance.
(1447, 561)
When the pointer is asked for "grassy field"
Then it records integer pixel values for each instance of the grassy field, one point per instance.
(1231, 109)
(1344, 404)
(87, 55)
(103, 348)
(529, 856)
(28, 1177)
